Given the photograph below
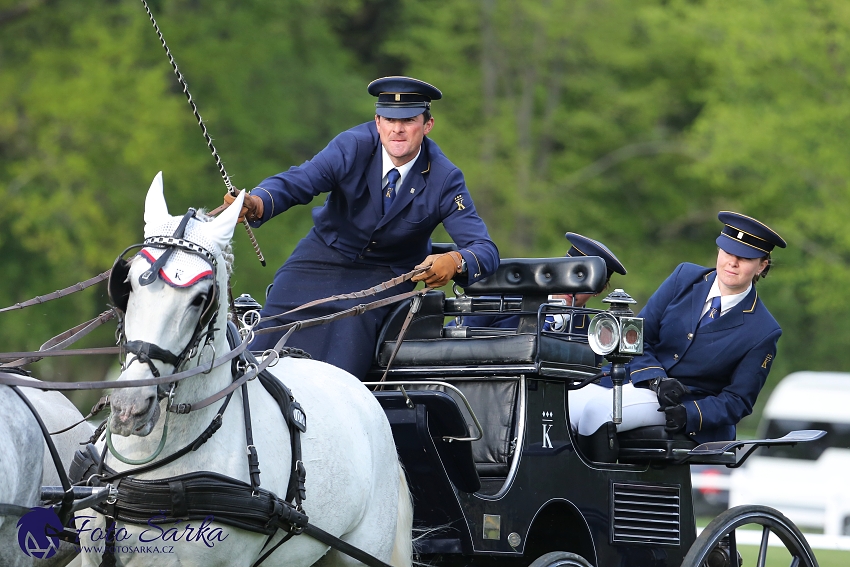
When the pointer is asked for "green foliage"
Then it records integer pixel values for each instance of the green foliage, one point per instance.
(635, 122)
(91, 111)
(631, 121)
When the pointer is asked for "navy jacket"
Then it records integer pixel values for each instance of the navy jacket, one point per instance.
(725, 363)
(351, 221)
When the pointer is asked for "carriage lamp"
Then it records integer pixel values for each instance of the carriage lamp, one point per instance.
(244, 304)
(617, 335)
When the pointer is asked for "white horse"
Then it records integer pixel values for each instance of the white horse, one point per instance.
(28, 465)
(20, 471)
(57, 412)
(356, 488)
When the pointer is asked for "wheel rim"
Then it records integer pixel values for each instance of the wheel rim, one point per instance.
(771, 521)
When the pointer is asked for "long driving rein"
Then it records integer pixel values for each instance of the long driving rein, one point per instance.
(276, 513)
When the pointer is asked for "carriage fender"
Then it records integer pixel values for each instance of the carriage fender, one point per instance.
(559, 526)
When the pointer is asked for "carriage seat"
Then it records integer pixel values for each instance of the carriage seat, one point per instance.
(541, 277)
(534, 279)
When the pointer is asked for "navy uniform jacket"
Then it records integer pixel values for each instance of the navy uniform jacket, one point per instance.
(725, 363)
(354, 246)
(351, 221)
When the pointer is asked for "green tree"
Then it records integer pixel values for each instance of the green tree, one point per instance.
(90, 111)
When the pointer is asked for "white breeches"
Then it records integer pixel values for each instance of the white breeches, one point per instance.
(593, 406)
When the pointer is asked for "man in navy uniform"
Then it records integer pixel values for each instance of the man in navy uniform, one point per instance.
(388, 187)
(709, 343)
(580, 246)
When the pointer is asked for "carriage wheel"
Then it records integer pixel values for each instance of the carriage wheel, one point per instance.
(560, 559)
(705, 552)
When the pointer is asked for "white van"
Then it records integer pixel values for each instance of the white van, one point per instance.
(807, 482)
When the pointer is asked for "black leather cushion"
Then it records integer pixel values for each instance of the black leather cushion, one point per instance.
(427, 323)
(506, 349)
(543, 276)
(494, 402)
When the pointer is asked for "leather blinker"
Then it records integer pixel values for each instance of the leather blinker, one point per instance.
(118, 285)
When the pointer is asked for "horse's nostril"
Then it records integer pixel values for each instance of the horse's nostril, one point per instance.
(145, 407)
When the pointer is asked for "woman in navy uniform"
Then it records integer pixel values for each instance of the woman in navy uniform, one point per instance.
(580, 246)
(388, 187)
(709, 344)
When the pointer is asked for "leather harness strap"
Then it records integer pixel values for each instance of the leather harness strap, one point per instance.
(59, 293)
(350, 312)
(66, 338)
(414, 308)
(15, 380)
(383, 286)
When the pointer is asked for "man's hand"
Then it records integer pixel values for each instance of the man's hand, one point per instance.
(252, 207)
(443, 268)
(670, 392)
(677, 418)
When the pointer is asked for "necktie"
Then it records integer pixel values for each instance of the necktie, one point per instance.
(712, 314)
(389, 190)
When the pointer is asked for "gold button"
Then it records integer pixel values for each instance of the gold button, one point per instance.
(675, 357)
(690, 336)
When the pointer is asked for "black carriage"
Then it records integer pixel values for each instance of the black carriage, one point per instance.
(480, 418)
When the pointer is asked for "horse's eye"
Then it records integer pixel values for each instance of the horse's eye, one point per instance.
(199, 300)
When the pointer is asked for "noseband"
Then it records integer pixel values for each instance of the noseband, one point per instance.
(119, 293)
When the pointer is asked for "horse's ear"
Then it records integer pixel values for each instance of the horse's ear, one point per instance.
(220, 230)
(156, 211)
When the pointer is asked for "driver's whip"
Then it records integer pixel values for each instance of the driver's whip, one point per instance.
(221, 170)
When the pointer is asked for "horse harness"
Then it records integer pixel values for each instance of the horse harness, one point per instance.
(119, 289)
(204, 494)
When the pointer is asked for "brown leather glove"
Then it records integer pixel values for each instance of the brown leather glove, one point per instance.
(443, 268)
(252, 207)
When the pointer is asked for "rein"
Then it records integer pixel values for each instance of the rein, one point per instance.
(39, 299)
(17, 380)
(383, 286)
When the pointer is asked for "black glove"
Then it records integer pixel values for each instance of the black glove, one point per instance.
(670, 392)
(677, 418)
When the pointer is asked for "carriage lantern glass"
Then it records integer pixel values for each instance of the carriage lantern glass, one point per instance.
(631, 335)
(603, 335)
(617, 331)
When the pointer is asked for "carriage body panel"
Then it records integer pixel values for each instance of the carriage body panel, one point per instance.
(537, 493)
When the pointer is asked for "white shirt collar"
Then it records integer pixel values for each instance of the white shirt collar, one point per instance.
(727, 302)
(402, 169)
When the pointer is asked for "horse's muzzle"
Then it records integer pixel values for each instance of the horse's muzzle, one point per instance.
(134, 414)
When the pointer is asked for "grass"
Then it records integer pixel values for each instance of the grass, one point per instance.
(779, 557)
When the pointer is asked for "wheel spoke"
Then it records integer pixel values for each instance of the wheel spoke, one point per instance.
(723, 529)
(765, 535)
(733, 547)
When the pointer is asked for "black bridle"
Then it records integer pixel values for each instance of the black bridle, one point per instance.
(119, 292)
